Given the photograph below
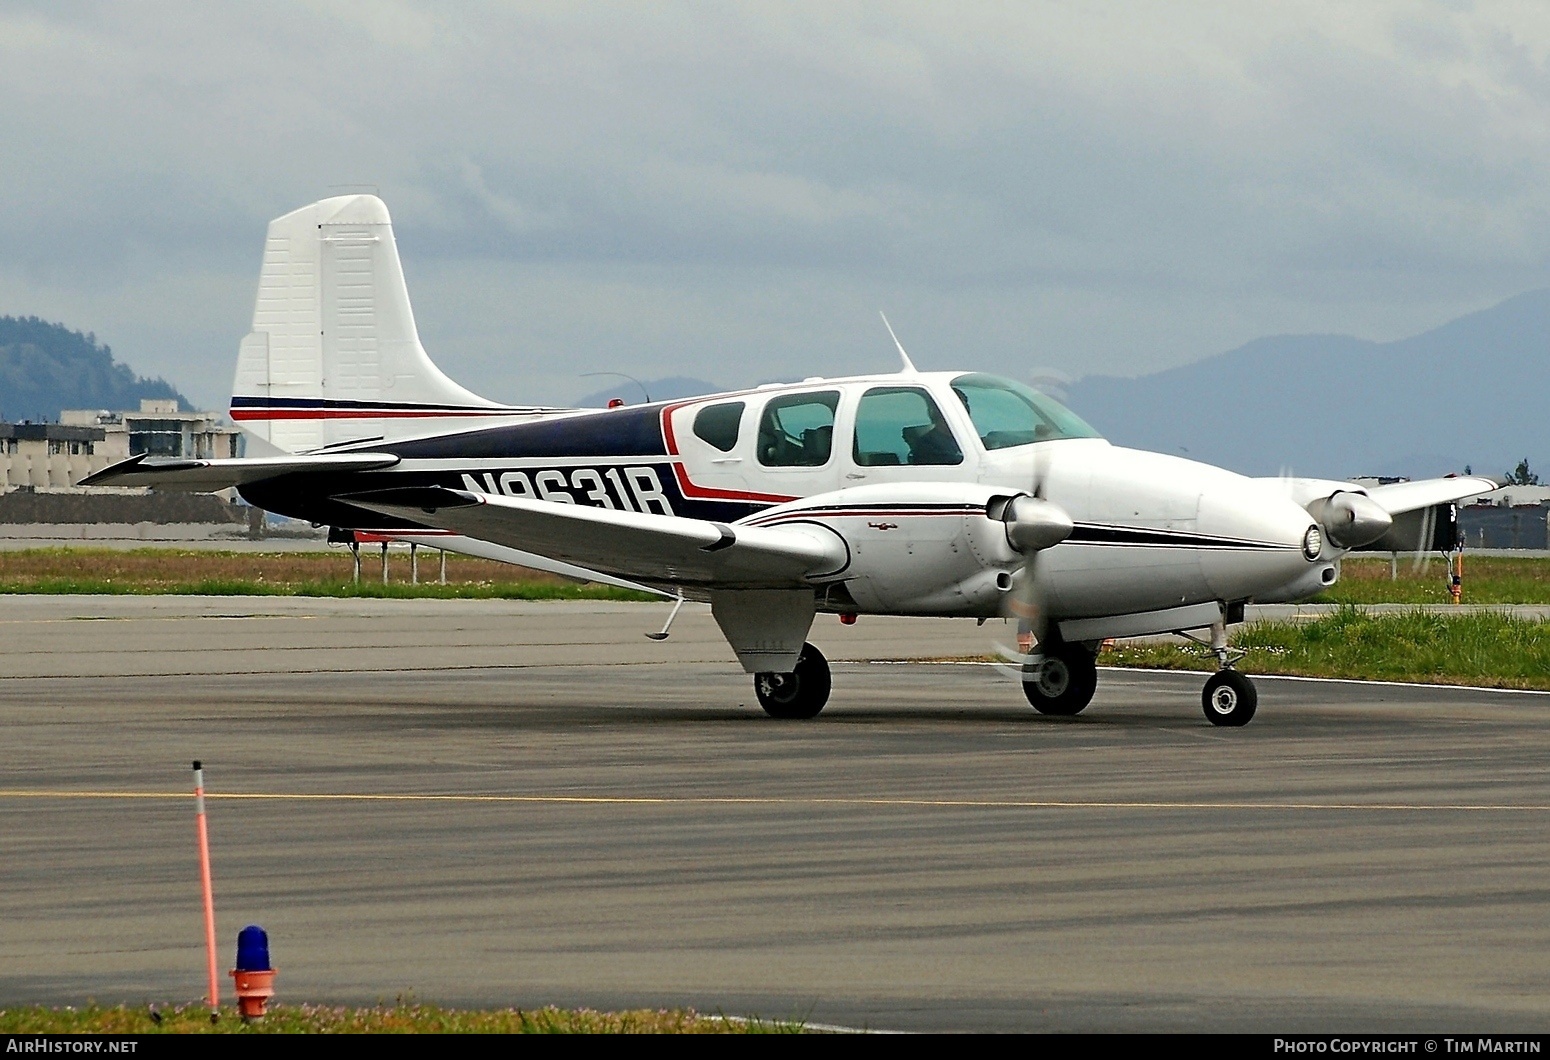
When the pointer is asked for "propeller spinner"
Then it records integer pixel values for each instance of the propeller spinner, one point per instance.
(1350, 520)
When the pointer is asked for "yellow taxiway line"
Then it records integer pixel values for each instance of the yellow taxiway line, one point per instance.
(779, 800)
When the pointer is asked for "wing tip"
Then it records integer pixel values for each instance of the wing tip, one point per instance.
(106, 475)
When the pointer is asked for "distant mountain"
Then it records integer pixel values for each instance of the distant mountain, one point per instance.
(47, 367)
(678, 386)
(1475, 391)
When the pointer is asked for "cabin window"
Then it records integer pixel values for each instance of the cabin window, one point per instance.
(1007, 413)
(717, 424)
(797, 430)
(902, 425)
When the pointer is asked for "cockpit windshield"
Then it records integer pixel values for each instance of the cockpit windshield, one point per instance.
(1007, 413)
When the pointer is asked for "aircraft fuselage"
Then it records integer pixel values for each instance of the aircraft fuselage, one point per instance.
(1151, 531)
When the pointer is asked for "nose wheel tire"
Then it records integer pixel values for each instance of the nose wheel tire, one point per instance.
(799, 694)
(1229, 698)
(1062, 683)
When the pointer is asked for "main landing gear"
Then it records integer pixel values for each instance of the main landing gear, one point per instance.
(1063, 681)
(799, 694)
(1229, 697)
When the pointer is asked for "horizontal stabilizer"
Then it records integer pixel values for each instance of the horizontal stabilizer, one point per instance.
(665, 549)
(207, 476)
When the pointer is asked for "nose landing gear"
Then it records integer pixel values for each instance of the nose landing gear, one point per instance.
(1229, 697)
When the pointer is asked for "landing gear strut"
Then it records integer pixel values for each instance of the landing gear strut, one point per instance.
(1063, 681)
(1229, 698)
(799, 694)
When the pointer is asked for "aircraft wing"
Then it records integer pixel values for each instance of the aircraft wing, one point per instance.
(1400, 497)
(207, 476)
(637, 545)
(469, 546)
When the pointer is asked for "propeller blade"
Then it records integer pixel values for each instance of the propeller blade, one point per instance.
(1024, 605)
(1423, 544)
(1040, 469)
(1033, 524)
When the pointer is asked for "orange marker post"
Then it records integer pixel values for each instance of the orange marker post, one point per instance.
(214, 998)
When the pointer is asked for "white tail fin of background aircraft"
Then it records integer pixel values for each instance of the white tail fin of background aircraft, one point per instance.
(334, 355)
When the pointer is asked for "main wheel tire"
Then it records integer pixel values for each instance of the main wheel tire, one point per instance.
(1063, 682)
(1229, 698)
(799, 694)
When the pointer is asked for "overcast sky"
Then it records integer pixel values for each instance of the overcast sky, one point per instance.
(732, 191)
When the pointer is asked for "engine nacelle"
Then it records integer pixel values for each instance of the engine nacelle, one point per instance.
(925, 548)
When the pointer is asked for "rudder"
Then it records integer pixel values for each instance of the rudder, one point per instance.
(334, 355)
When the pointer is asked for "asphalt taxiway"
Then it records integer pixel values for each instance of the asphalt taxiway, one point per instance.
(487, 802)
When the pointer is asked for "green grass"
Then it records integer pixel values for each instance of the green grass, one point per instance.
(400, 1018)
(510, 590)
(1486, 649)
(153, 571)
(1487, 580)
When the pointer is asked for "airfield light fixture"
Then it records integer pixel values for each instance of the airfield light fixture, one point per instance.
(254, 977)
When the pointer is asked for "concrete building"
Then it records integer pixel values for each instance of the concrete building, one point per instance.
(56, 456)
(160, 430)
(43, 456)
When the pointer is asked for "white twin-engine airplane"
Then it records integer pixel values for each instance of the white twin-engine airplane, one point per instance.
(913, 493)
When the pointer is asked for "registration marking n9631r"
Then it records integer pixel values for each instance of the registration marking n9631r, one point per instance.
(632, 489)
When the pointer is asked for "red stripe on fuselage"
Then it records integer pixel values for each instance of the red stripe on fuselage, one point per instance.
(361, 414)
(705, 493)
(809, 514)
(710, 493)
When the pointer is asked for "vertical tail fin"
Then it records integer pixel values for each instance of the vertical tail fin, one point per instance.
(334, 355)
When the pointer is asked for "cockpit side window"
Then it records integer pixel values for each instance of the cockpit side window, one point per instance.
(902, 425)
(1007, 413)
(717, 425)
(797, 430)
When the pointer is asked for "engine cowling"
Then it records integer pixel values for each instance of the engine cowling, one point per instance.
(928, 548)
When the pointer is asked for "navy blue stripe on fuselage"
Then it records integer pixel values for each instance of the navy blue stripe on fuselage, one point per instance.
(405, 406)
(1082, 534)
(1132, 536)
(634, 431)
(853, 511)
(648, 485)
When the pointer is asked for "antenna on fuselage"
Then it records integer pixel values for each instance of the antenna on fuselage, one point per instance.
(909, 365)
(621, 375)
